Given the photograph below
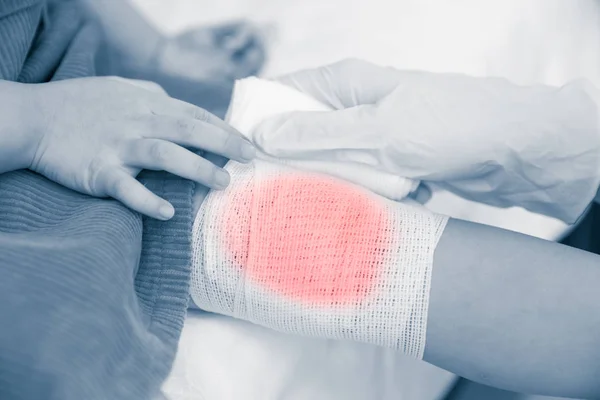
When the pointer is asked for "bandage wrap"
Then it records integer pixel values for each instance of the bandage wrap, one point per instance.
(309, 254)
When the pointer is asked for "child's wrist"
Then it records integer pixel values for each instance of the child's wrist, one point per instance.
(19, 128)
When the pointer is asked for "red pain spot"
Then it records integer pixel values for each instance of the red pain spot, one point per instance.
(308, 238)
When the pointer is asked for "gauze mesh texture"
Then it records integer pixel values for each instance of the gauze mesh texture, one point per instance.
(309, 254)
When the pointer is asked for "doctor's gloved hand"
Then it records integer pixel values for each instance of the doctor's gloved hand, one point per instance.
(485, 139)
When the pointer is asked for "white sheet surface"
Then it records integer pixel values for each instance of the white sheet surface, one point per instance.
(221, 358)
(546, 41)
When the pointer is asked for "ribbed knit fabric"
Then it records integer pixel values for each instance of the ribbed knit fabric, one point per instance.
(92, 296)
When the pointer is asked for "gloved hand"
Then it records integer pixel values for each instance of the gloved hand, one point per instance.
(485, 139)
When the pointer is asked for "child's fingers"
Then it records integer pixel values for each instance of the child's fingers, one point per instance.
(121, 186)
(185, 120)
(248, 60)
(234, 36)
(203, 135)
(161, 155)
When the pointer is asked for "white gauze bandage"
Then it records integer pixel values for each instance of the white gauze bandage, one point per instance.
(310, 254)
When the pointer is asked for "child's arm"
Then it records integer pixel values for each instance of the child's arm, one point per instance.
(208, 54)
(515, 312)
(504, 309)
(127, 31)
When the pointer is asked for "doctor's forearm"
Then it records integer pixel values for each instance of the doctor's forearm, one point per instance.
(515, 312)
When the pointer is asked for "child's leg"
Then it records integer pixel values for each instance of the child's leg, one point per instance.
(309, 254)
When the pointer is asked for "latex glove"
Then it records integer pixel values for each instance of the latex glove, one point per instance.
(94, 135)
(485, 139)
(255, 100)
(222, 52)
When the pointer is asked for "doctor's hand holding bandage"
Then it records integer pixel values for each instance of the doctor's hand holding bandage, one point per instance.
(485, 139)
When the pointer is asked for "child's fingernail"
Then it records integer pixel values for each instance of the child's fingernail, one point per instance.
(248, 151)
(167, 211)
(222, 178)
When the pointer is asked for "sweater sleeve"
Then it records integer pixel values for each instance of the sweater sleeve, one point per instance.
(90, 308)
(163, 279)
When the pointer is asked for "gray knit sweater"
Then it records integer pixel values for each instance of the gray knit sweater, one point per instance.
(92, 296)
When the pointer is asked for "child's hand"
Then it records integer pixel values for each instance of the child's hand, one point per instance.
(222, 52)
(200, 192)
(96, 134)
